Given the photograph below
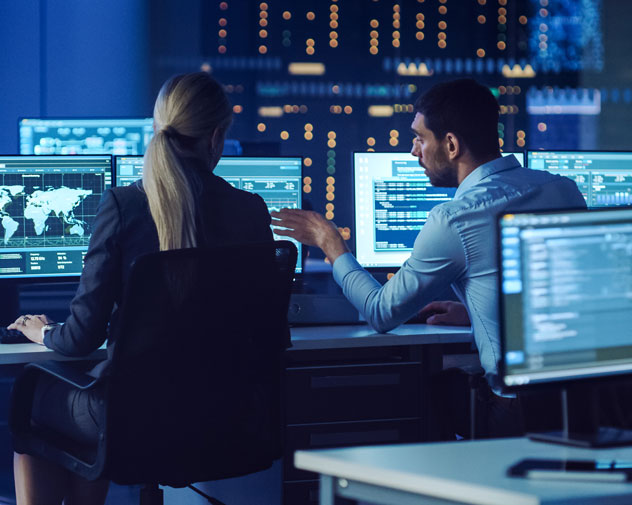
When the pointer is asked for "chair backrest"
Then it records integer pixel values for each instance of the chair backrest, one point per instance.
(193, 391)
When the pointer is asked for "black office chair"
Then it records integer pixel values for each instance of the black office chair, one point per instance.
(193, 393)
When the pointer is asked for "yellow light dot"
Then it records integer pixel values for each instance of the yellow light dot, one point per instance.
(329, 215)
(393, 141)
(370, 141)
(333, 16)
(237, 109)
(394, 133)
(419, 36)
(396, 43)
(442, 25)
(333, 35)
(222, 33)
(481, 19)
(370, 150)
(502, 20)
(420, 25)
(374, 42)
(542, 127)
(521, 142)
(330, 197)
(442, 44)
(223, 6)
(348, 109)
(330, 180)
(222, 22)
(307, 162)
(443, 1)
(309, 127)
(396, 16)
(333, 24)
(329, 206)
(307, 180)
(522, 20)
(333, 8)
(501, 45)
(419, 16)
(520, 134)
(285, 135)
(287, 15)
(396, 7)
(310, 42)
(373, 50)
(263, 15)
(287, 108)
(480, 52)
(308, 135)
(295, 108)
(263, 34)
(330, 188)
(310, 16)
(502, 2)
(396, 24)
(482, 2)
(309, 50)
(396, 34)
(389, 276)
(261, 127)
(307, 188)
(443, 9)
(501, 142)
(263, 22)
(263, 6)
(374, 23)
(263, 49)
(331, 143)
(221, 49)
(333, 43)
(335, 89)
(441, 35)
(374, 34)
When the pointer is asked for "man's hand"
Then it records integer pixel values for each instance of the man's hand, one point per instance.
(31, 326)
(445, 313)
(310, 228)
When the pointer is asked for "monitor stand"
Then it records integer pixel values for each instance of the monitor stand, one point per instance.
(580, 424)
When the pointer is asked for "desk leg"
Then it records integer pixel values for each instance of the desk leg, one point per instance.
(327, 494)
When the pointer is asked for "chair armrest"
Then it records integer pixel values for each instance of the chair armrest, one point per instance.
(65, 372)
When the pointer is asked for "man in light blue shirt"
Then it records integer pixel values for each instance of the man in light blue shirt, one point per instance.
(456, 142)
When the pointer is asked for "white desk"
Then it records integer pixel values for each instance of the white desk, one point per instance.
(308, 337)
(456, 472)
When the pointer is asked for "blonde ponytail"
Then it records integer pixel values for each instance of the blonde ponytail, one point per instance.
(190, 110)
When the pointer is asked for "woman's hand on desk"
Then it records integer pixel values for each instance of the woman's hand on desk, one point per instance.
(31, 326)
(446, 313)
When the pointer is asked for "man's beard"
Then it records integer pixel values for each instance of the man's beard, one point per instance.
(444, 177)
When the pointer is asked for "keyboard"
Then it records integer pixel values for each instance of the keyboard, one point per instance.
(12, 336)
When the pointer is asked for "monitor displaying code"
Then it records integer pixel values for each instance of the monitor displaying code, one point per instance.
(393, 199)
(277, 180)
(85, 136)
(604, 178)
(47, 209)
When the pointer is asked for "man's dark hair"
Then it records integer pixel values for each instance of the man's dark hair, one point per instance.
(466, 108)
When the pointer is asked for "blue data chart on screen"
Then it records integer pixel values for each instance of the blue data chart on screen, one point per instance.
(566, 286)
(276, 180)
(85, 136)
(47, 209)
(393, 198)
(604, 178)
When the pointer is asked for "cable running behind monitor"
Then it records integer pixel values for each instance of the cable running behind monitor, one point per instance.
(47, 208)
(277, 180)
(566, 306)
(603, 177)
(392, 201)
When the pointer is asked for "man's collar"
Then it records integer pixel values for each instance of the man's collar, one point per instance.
(485, 170)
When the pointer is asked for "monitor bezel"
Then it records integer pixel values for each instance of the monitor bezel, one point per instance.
(74, 118)
(9, 281)
(502, 367)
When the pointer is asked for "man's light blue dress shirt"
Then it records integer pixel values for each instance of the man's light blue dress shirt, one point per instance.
(456, 247)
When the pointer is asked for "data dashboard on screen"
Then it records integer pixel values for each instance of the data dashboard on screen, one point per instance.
(392, 201)
(47, 209)
(566, 293)
(603, 177)
(120, 136)
(277, 180)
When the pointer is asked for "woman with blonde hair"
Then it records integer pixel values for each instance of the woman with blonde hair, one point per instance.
(178, 204)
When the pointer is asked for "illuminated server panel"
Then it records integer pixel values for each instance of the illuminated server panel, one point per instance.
(604, 178)
(276, 180)
(85, 136)
(393, 199)
(47, 209)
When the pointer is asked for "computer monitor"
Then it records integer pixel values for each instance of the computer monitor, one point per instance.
(47, 208)
(603, 177)
(392, 200)
(277, 180)
(121, 136)
(565, 299)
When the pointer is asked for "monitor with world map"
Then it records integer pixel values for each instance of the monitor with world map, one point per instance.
(47, 209)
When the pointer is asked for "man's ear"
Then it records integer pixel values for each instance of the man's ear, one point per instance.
(453, 146)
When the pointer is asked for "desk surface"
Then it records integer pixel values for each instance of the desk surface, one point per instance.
(313, 337)
(467, 472)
